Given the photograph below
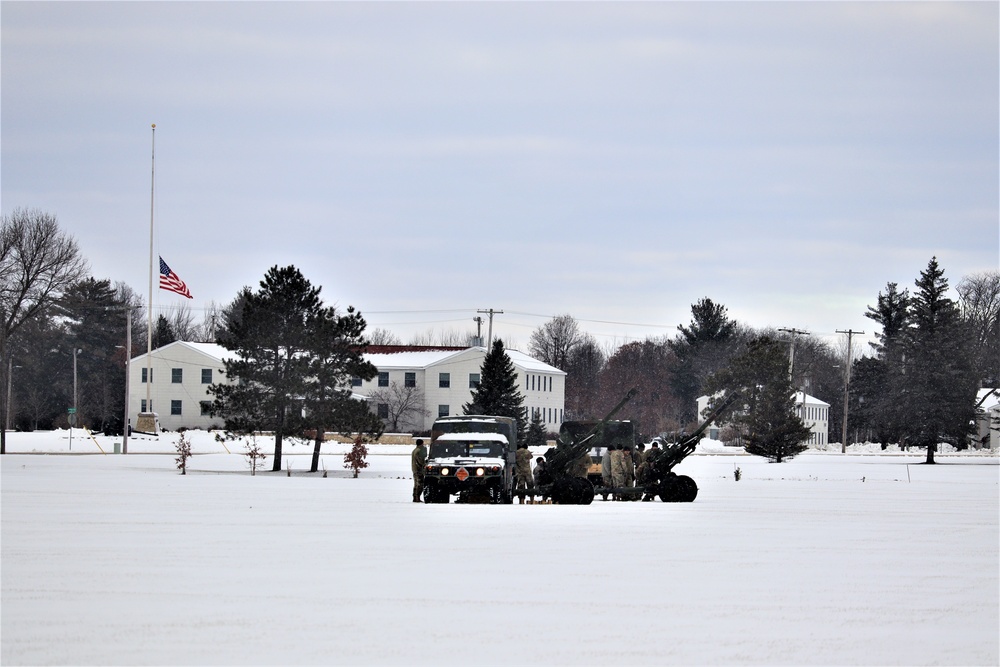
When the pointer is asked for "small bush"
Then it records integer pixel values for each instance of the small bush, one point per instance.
(183, 453)
(355, 459)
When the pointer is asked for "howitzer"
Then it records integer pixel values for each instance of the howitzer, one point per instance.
(660, 480)
(558, 480)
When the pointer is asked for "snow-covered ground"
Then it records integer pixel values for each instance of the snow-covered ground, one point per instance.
(825, 559)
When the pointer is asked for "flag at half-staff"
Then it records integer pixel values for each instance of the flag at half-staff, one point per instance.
(171, 282)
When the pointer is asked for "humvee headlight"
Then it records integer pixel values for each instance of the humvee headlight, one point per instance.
(444, 471)
(480, 472)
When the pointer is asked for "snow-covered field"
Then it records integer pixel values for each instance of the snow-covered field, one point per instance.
(825, 559)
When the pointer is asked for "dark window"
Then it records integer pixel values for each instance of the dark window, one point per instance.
(175, 407)
(473, 380)
(206, 408)
(177, 375)
(443, 410)
(383, 379)
(410, 380)
(144, 369)
(383, 410)
(355, 382)
(206, 376)
(444, 380)
(142, 405)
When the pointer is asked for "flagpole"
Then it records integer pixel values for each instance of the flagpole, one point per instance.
(149, 323)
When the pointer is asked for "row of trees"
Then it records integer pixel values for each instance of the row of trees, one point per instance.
(932, 352)
(916, 387)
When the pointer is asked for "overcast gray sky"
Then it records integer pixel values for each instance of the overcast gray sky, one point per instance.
(612, 161)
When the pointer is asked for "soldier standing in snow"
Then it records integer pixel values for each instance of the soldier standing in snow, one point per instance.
(523, 468)
(418, 463)
(617, 469)
(606, 466)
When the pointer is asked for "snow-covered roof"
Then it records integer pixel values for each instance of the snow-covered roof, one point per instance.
(401, 358)
(460, 437)
(213, 350)
(810, 400)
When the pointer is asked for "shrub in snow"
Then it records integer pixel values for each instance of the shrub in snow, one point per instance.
(355, 459)
(254, 455)
(183, 453)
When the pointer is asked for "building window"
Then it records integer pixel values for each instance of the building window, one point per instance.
(206, 408)
(175, 407)
(206, 376)
(443, 410)
(410, 380)
(177, 375)
(383, 379)
(473, 380)
(444, 380)
(383, 410)
(355, 382)
(144, 369)
(142, 406)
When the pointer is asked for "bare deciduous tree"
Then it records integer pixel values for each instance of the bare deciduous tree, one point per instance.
(403, 405)
(979, 298)
(554, 341)
(38, 262)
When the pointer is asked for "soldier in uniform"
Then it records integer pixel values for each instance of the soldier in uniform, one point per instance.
(629, 465)
(539, 471)
(522, 460)
(606, 465)
(617, 469)
(418, 463)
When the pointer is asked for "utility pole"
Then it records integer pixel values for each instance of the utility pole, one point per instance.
(491, 313)
(128, 371)
(847, 383)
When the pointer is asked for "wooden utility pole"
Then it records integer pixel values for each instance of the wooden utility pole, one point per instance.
(491, 313)
(847, 383)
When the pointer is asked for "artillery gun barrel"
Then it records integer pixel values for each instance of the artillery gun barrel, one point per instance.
(558, 459)
(677, 452)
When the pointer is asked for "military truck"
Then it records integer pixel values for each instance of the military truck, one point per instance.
(471, 457)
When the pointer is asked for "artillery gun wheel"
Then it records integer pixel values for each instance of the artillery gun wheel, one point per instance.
(677, 489)
(688, 489)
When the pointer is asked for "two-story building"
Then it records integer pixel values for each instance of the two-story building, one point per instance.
(814, 412)
(447, 377)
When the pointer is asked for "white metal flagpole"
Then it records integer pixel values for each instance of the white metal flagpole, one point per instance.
(149, 309)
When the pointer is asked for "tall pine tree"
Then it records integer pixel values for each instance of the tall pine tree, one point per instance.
(939, 381)
(497, 393)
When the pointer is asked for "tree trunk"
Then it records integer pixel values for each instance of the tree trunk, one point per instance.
(316, 447)
(930, 453)
(277, 452)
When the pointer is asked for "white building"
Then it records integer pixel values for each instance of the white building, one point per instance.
(181, 373)
(447, 376)
(989, 419)
(814, 412)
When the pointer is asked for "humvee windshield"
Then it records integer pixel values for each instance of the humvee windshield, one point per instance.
(455, 448)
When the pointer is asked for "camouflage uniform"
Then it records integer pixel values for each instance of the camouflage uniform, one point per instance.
(617, 468)
(606, 467)
(523, 468)
(629, 465)
(418, 465)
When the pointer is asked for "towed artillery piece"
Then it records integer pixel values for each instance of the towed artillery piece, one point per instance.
(563, 482)
(561, 479)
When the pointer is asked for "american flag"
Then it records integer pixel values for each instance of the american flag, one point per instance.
(170, 282)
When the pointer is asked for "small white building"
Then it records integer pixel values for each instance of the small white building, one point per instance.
(988, 421)
(447, 376)
(178, 378)
(814, 412)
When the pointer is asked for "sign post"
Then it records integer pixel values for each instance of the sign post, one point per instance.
(71, 418)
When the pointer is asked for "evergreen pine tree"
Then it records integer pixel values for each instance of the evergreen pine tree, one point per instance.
(939, 381)
(272, 333)
(536, 431)
(497, 393)
(768, 420)
(701, 349)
